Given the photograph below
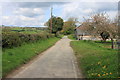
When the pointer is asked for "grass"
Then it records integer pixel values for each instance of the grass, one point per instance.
(0, 63)
(27, 30)
(71, 36)
(95, 60)
(13, 58)
(106, 44)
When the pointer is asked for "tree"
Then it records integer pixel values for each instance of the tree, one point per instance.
(57, 24)
(100, 25)
(113, 29)
(69, 26)
(105, 35)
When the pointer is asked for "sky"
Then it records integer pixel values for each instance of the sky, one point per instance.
(36, 13)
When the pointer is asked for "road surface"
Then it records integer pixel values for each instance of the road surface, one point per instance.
(56, 62)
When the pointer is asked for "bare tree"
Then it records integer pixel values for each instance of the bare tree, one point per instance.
(100, 25)
(113, 31)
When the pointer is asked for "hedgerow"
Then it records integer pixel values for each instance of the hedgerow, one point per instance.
(15, 39)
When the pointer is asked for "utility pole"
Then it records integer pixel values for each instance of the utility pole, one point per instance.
(51, 21)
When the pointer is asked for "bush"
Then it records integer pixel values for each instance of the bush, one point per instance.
(58, 35)
(11, 39)
(14, 39)
(72, 36)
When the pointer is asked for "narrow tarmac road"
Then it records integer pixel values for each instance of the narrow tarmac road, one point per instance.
(56, 62)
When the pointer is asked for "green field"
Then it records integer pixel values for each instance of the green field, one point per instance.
(27, 30)
(95, 59)
(72, 37)
(17, 36)
(14, 57)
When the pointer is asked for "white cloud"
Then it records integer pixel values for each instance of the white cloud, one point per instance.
(5, 17)
(32, 14)
(59, 0)
(21, 16)
(29, 12)
(82, 9)
(112, 14)
(88, 11)
(23, 20)
(38, 10)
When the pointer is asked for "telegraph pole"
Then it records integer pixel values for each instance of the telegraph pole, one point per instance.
(51, 21)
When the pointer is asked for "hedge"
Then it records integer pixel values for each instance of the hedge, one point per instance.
(14, 39)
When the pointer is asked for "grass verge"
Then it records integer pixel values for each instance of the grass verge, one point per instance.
(71, 36)
(95, 60)
(13, 58)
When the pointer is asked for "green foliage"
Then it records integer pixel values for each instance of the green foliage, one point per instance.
(15, 57)
(68, 30)
(57, 24)
(15, 39)
(69, 26)
(72, 37)
(10, 39)
(28, 30)
(58, 35)
(95, 60)
(1, 62)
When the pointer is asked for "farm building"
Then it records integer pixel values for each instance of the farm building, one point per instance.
(79, 33)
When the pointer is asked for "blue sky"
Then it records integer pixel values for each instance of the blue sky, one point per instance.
(37, 13)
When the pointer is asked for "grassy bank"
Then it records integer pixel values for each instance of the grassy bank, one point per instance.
(71, 36)
(95, 60)
(0, 63)
(13, 58)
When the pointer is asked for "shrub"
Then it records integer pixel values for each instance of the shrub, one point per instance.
(14, 39)
(11, 39)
